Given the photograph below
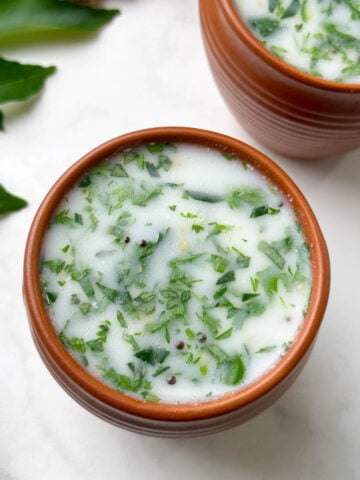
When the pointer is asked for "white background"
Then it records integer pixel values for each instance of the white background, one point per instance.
(148, 68)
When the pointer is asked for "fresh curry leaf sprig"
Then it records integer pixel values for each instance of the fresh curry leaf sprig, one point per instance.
(26, 20)
(10, 203)
(33, 19)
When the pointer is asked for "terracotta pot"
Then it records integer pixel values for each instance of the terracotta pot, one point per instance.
(285, 109)
(162, 419)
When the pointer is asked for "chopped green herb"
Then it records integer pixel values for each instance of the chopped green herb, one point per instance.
(150, 167)
(152, 355)
(219, 263)
(248, 296)
(197, 228)
(225, 334)
(120, 319)
(226, 278)
(263, 210)
(271, 253)
(204, 197)
(265, 26)
(267, 349)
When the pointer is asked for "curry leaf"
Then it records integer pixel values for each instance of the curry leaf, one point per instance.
(9, 203)
(26, 19)
(19, 81)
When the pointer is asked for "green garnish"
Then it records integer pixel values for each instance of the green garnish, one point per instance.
(203, 196)
(235, 370)
(265, 26)
(219, 263)
(226, 278)
(271, 253)
(267, 349)
(152, 355)
(263, 210)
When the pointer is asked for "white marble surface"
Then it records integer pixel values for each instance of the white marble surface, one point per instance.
(148, 69)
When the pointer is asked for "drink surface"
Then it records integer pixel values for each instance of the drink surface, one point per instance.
(320, 37)
(176, 274)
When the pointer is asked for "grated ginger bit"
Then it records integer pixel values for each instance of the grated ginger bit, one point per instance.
(184, 245)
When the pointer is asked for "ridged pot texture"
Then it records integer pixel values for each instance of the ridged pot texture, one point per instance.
(288, 111)
(173, 420)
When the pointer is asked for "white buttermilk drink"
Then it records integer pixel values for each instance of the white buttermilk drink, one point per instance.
(175, 273)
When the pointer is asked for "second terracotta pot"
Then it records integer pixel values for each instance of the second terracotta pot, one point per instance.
(288, 111)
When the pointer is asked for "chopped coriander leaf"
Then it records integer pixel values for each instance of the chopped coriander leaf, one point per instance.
(251, 196)
(126, 383)
(152, 170)
(185, 259)
(146, 194)
(190, 334)
(211, 322)
(65, 248)
(226, 278)
(218, 228)
(50, 297)
(224, 335)
(267, 349)
(235, 370)
(120, 319)
(219, 263)
(117, 170)
(109, 293)
(78, 218)
(227, 156)
(292, 9)
(204, 196)
(254, 283)
(160, 147)
(164, 162)
(242, 260)
(131, 155)
(271, 253)
(197, 228)
(219, 293)
(55, 266)
(150, 397)
(272, 5)
(188, 215)
(152, 355)
(63, 218)
(263, 210)
(96, 345)
(265, 26)
(248, 296)
(160, 370)
(218, 353)
(269, 279)
(85, 308)
(131, 341)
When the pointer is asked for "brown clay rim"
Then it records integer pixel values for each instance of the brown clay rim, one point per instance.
(41, 323)
(252, 42)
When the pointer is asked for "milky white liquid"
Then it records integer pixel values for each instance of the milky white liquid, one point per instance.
(306, 41)
(259, 340)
